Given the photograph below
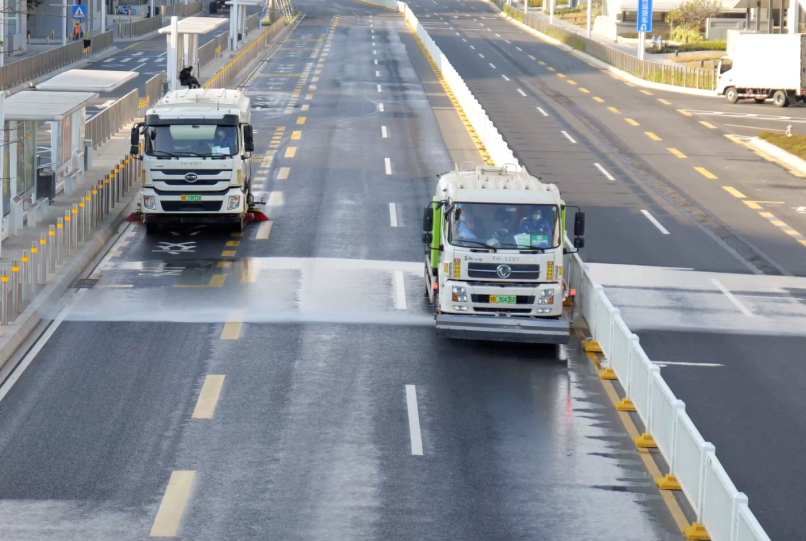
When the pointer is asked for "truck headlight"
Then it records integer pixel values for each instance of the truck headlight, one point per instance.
(150, 202)
(458, 294)
(546, 297)
(234, 202)
(459, 308)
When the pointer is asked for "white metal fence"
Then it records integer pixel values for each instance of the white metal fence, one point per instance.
(40, 64)
(181, 10)
(208, 51)
(101, 42)
(499, 152)
(139, 28)
(719, 506)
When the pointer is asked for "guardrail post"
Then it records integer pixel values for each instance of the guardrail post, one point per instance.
(105, 198)
(679, 409)
(51, 248)
(739, 500)
(35, 264)
(708, 451)
(74, 226)
(83, 206)
(15, 286)
(653, 371)
(4, 281)
(59, 240)
(68, 234)
(25, 276)
(95, 206)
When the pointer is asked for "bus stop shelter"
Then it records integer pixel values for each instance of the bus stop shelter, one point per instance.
(20, 115)
(237, 20)
(83, 80)
(183, 44)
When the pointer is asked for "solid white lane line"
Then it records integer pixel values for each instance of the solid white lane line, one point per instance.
(29, 357)
(400, 291)
(655, 222)
(605, 173)
(414, 421)
(492, 65)
(542, 112)
(388, 166)
(732, 297)
(569, 137)
(505, 77)
(393, 214)
(522, 93)
(383, 132)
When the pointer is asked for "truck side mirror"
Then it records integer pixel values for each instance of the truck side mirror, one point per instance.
(248, 138)
(579, 242)
(428, 219)
(135, 141)
(427, 237)
(579, 224)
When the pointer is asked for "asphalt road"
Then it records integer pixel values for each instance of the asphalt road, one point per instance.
(336, 412)
(720, 208)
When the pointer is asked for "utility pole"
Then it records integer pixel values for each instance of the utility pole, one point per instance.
(590, 6)
(2, 52)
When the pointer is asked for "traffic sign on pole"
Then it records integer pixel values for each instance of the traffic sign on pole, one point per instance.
(79, 11)
(643, 22)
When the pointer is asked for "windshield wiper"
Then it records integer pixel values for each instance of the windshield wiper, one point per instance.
(525, 249)
(482, 244)
(166, 154)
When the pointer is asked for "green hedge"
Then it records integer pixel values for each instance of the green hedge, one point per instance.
(794, 145)
(569, 10)
(514, 13)
(535, 3)
(710, 45)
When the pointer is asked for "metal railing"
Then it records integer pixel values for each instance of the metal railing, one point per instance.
(155, 89)
(252, 22)
(30, 68)
(225, 75)
(181, 10)
(106, 123)
(101, 42)
(48, 254)
(139, 28)
(656, 72)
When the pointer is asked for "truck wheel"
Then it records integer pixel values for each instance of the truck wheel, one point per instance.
(732, 95)
(239, 226)
(780, 99)
(151, 228)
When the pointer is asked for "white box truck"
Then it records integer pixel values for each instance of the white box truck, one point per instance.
(494, 256)
(764, 66)
(197, 157)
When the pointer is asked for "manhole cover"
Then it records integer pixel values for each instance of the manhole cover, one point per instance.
(85, 283)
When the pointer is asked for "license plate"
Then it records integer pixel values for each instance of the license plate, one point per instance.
(191, 198)
(503, 299)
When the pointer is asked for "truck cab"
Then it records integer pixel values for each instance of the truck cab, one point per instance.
(494, 256)
(196, 158)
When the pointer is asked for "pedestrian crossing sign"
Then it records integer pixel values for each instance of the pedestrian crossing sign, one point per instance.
(80, 11)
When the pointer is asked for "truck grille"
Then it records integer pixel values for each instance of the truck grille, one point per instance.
(503, 310)
(520, 299)
(200, 172)
(183, 182)
(489, 271)
(191, 206)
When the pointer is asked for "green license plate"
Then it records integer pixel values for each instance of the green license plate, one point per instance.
(503, 299)
(191, 198)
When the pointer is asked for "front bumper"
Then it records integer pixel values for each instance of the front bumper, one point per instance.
(212, 208)
(505, 328)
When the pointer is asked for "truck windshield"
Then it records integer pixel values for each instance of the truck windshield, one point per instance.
(191, 140)
(513, 227)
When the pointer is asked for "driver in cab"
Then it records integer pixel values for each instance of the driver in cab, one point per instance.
(465, 226)
(535, 223)
(224, 139)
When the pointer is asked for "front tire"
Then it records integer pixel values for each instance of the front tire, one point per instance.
(780, 99)
(240, 225)
(152, 228)
(732, 95)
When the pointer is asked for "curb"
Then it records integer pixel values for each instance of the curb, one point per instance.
(604, 65)
(22, 327)
(780, 154)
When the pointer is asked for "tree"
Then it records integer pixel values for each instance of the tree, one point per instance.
(691, 14)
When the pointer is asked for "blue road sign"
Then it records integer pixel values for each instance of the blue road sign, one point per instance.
(80, 11)
(643, 22)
